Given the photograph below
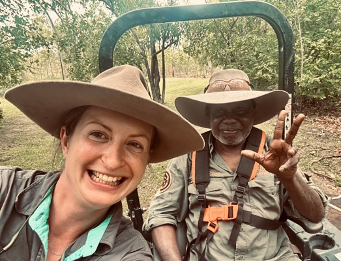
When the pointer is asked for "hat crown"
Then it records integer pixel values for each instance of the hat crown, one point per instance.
(228, 80)
(229, 74)
(124, 78)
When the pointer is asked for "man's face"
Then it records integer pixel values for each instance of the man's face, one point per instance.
(232, 123)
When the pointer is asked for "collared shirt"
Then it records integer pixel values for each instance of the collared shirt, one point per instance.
(22, 193)
(177, 201)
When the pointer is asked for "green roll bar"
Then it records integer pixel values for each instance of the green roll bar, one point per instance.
(207, 11)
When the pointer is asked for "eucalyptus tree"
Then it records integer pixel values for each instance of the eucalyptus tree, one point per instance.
(250, 44)
(150, 41)
(317, 28)
(247, 43)
(18, 37)
(77, 28)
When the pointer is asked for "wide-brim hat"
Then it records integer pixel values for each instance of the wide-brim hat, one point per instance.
(122, 89)
(223, 90)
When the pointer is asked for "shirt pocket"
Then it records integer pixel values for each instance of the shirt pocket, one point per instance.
(263, 194)
(213, 190)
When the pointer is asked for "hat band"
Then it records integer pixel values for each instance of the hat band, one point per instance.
(229, 85)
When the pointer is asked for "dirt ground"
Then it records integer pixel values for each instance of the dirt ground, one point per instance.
(320, 151)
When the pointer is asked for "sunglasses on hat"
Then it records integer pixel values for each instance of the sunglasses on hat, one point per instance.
(228, 85)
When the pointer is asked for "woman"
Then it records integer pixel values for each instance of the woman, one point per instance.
(109, 131)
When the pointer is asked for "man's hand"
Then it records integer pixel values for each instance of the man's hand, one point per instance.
(281, 159)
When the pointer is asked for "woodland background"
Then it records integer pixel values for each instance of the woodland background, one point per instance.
(45, 39)
(59, 39)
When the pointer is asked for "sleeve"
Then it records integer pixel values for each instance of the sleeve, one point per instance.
(170, 203)
(8, 176)
(291, 210)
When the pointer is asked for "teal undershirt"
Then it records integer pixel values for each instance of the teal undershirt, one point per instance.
(38, 223)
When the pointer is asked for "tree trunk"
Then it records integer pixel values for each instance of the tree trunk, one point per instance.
(155, 77)
(163, 73)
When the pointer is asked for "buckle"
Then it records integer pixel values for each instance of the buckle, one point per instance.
(226, 212)
(201, 197)
(240, 189)
(213, 227)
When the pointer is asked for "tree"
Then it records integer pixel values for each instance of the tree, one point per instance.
(18, 37)
(250, 44)
(164, 36)
(246, 43)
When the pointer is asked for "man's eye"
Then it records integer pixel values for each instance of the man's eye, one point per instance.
(217, 114)
(240, 112)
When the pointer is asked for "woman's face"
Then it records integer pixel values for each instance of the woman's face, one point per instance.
(105, 157)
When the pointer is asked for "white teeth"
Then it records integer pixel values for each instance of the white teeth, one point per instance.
(109, 180)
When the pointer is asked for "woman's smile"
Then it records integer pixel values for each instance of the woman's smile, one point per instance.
(104, 179)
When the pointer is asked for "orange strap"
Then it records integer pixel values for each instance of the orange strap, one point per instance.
(261, 147)
(213, 214)
(193, 167)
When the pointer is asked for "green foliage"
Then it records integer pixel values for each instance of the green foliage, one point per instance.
(79, 39)
(245, 43)
(42, 39)
(1, 113)
(128, 52)
(250, 44)
(19, 36)
(317, 27)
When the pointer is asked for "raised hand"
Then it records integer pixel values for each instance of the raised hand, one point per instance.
(281, 159)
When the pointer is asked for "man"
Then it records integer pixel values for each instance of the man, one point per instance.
(252, 231)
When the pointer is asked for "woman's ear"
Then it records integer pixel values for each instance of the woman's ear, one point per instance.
(64, 140)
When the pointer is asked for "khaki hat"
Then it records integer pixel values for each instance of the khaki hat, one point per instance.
(231, 86)
(122, 89)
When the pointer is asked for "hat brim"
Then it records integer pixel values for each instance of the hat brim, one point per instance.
(48, 102)
(268, 104)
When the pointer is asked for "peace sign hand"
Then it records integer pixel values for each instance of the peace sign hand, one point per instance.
(281, 159)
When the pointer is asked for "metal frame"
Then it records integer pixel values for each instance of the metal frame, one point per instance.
(200, 12)
(207, 11)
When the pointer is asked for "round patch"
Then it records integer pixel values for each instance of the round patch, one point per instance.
(166, 182)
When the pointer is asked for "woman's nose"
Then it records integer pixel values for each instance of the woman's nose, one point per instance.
(113, 157)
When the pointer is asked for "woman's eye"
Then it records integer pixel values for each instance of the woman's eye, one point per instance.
(136, 146)
(97, 136)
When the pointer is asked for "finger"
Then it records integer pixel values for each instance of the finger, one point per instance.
(294, 129)
(253, 156)
(278, 130)
(290, 164)
(291, 152)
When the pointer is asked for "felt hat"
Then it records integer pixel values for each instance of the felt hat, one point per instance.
(122, 89)
(230, 86)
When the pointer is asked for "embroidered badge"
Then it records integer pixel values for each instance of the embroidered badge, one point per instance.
(166, 181)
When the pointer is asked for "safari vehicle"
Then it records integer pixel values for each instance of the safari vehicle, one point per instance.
(315, 241)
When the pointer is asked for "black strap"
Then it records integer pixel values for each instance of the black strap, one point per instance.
(260, 222)
(201, 182)
(244, 172)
